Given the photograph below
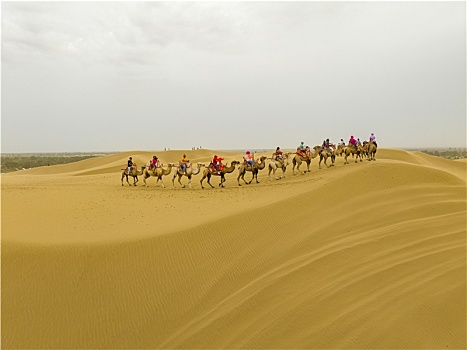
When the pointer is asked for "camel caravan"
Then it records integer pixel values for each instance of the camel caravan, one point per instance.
(278, 160)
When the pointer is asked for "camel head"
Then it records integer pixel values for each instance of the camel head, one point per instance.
(234, 163)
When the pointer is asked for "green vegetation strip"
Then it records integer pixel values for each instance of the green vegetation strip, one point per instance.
(15, 162)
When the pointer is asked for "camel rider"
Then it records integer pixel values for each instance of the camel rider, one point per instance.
(342, 142)
(154, 162)
(278, 154)
(328, 145)
(217, 162)
(183, 163)
(359, 142)
(249, 159)
(301, 149)
(130, 164)
(352, 142)
(373, 139)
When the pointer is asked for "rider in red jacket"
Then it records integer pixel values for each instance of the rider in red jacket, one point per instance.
(216, 162)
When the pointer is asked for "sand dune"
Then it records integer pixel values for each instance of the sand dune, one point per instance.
(368, 255)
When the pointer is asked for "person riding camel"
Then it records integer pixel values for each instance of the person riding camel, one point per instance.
(250, 159)
(359, 142)
(323, 145)
(352, 142)
(302, 149)
(327, 145)
(129, 165)
(184, 163)
(154, 163)
(217, 163)
(342, 142)
(373, 139)
(277, 155)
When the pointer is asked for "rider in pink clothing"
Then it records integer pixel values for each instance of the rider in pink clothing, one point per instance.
(249, 158)
(352, 141)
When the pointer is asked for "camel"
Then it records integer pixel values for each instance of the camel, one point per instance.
(340, 150)
(189, 173)
(352, 150)
(325, 154)
(209, 171)
(243, 168)
(158, 172)
(364, 150)
(281, 164)
(133, 172)
(299, 158)
(372, 148)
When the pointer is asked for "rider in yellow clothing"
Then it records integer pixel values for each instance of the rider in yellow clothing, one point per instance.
(183, 163)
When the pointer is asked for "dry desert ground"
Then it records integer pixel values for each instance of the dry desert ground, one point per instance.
(360, 256)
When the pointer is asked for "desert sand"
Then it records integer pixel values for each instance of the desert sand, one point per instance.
(369, 255)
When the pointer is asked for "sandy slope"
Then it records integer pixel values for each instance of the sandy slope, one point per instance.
(368, 255)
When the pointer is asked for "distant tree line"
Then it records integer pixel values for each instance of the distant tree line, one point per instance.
(450, 153)
(11, 163)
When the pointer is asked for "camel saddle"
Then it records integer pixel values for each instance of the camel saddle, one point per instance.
(188, 165)
(126, 169)
(211, 168)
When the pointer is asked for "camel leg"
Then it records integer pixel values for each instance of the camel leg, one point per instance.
(135, 180)
(243, 178)
(222, 180)
(209, 181)
(179, 178)
(238, 179)
(201, 181)
(127, 180)
(252, 176)
(123, 175)
(173, 180)
(189, 182)
(298, 168)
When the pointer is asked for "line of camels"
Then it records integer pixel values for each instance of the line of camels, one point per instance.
(367, 150)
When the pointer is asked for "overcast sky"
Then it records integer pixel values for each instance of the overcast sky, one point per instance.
(101, 76)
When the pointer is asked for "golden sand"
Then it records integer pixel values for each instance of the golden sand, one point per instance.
(367, 255)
